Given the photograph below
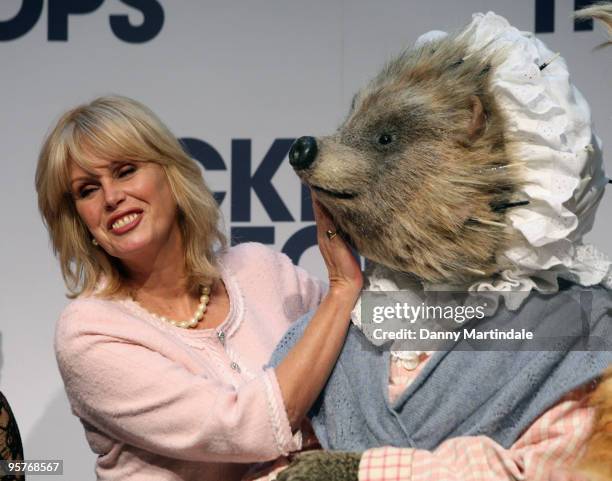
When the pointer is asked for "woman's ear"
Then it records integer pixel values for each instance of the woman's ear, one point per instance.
(478, 122)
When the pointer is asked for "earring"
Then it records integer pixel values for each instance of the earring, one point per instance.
(94, 241)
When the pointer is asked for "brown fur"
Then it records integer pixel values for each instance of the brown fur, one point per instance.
(448, 164)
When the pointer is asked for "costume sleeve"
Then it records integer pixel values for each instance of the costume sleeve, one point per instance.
(552, 441)
(138, 396)
(290, 339)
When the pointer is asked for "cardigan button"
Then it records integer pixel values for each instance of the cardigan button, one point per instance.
(221, 336)
(235, 366)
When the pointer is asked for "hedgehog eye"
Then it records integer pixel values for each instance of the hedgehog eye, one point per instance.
(385, 139)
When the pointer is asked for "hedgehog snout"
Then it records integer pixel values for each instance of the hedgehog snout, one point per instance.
(303, 152)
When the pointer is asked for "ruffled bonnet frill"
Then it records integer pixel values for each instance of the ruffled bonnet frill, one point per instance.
(549, 134)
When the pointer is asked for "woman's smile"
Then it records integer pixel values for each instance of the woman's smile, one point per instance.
(126, 223)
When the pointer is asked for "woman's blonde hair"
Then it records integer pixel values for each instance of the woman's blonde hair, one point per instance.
(118, 128)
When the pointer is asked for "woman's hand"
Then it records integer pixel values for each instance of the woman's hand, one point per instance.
(343, 269)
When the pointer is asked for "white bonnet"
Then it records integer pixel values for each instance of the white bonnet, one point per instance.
(549, 131)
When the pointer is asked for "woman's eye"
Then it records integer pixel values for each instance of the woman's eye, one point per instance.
(385, 139)
(85, 192)
(127, 170)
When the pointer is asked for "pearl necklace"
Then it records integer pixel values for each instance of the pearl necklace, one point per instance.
(191, 323)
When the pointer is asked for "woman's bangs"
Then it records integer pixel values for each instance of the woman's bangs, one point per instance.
(91, 143)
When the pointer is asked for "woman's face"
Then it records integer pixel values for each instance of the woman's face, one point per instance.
(127, 206)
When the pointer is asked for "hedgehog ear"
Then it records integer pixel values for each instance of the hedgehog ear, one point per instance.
(478, 122)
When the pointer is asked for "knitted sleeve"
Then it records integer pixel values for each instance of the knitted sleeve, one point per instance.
(136, 395)
(552, 442)
(290, 339)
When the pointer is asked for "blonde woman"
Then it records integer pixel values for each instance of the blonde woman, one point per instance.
(162, 347)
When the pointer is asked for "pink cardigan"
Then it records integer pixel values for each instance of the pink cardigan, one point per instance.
(160, 402)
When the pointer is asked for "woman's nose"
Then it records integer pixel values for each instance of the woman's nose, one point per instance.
(113, 195)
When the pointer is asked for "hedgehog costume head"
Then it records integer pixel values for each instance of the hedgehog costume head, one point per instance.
(468, 160)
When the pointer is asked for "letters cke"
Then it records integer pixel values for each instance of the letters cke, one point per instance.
(59, 11)
(260, 182)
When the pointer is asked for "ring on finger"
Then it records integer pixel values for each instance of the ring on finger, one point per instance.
(331, 234)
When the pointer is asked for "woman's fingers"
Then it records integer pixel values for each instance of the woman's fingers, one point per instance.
(326, 229)
(322, 218)
(342, 267)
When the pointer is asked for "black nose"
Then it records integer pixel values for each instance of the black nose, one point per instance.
(303, 153)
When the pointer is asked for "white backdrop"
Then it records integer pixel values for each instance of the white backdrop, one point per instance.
(217, 70)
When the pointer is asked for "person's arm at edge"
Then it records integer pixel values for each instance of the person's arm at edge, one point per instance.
(304, 372)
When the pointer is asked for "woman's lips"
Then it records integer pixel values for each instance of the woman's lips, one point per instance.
(127, 227)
